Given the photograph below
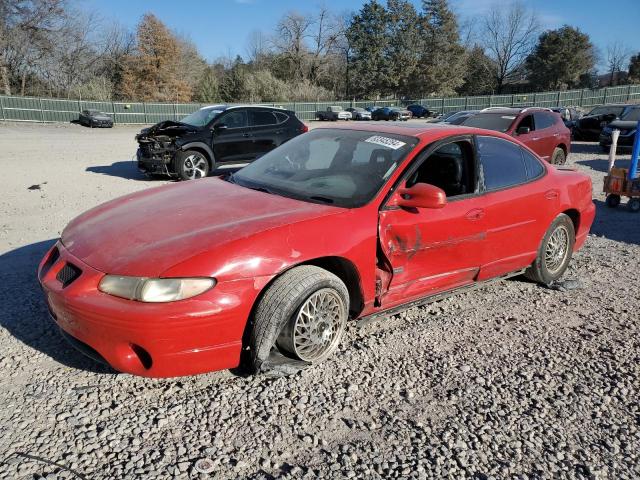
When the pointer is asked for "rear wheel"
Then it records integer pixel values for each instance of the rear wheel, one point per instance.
(191, 165)
(634, 205)
(554, 253)
(303, 314)
(612, 200)
(558, 157)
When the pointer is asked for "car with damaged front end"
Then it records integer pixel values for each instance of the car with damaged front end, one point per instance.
(212, 136)
(265, 267)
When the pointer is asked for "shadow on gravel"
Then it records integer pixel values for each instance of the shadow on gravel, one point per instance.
(602, 165)
(24, 313)
(586, 147)
(617, 224)
(125, 169)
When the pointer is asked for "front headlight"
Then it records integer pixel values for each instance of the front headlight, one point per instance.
(150, 290)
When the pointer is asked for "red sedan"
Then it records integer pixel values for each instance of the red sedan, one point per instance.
(336, 224)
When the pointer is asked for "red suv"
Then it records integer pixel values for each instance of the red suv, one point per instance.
(540, 129)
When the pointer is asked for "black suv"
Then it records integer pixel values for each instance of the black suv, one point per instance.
(214, 135)
(589, 127)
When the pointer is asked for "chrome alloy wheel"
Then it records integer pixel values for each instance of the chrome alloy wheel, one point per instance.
(315, 331)
(195, 166)
(557, 249)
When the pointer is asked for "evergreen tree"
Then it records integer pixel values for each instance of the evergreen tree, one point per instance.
(369, 42)
(441, 66)
(403, 51)
(207, 90)
(559, 59)
(152, 73)
(478, 77)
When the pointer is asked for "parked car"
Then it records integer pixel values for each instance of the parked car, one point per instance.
(95, 118)
(419, 111)
(372, 108)
(456, 118)
(627, 124)
(588, 127)
(391, 113)
(540, 129)
(333, 113)
(214, 135)
(358, 113)
(248, 269)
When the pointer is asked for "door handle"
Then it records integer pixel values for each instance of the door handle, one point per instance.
(551, 194)
(475, 214)
(246, 135)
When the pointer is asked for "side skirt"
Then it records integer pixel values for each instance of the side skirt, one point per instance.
(361, 322)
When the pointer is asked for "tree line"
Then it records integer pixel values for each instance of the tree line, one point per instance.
(386, 49)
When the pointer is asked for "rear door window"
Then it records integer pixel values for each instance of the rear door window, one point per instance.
(543, 120)
(258, 118)
(501, 163)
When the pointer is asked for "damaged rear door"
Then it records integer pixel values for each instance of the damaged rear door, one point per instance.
(427, 251)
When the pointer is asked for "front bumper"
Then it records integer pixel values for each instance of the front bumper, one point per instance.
(192, 336)
(154, 164)
(623, 140)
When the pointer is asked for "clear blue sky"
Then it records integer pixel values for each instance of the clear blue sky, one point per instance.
(221, 27)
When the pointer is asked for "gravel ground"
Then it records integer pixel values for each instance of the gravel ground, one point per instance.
(510, 381)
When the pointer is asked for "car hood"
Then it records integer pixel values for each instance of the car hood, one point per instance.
(146, 233)
(167, 127)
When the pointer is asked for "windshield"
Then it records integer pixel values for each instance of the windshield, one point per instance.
(201, 117)
(345, 168)
(606, 111)
(632, 115)
(491, 121)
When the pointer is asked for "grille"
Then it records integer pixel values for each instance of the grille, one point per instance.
(68, 274)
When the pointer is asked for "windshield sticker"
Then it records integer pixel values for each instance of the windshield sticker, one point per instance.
(386, 142)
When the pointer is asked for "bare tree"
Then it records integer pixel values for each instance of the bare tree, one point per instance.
(617, 55)
(290, 41)
(22, 23)
(509, 36)
(257, 48)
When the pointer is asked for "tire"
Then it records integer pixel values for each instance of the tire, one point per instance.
(558, 157)
(281, 308)
(184, 163)
(634, 205)
(612, 200)
(549, 266)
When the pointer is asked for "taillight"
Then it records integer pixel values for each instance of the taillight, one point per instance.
(304, 128)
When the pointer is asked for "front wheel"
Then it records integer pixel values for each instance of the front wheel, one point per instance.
(558, 157)
(554, 253)
(612, 200)
(634, 205)
(303, 314)
(191, 165)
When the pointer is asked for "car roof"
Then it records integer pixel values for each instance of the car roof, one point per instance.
(424, 131)
(513, 110)
(229, 107)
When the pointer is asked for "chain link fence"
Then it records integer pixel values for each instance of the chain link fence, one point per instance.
(32, 109)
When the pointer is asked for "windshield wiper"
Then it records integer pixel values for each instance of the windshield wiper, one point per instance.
(321, 199)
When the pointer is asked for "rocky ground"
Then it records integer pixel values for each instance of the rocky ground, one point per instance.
(510, 381)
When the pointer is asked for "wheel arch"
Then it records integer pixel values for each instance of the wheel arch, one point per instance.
(341, 267)
(574, 215)
(202, 148)
(564, 148)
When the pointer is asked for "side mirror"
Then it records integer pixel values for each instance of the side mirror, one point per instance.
(421, 195)
(218, 127)
(523, 130)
